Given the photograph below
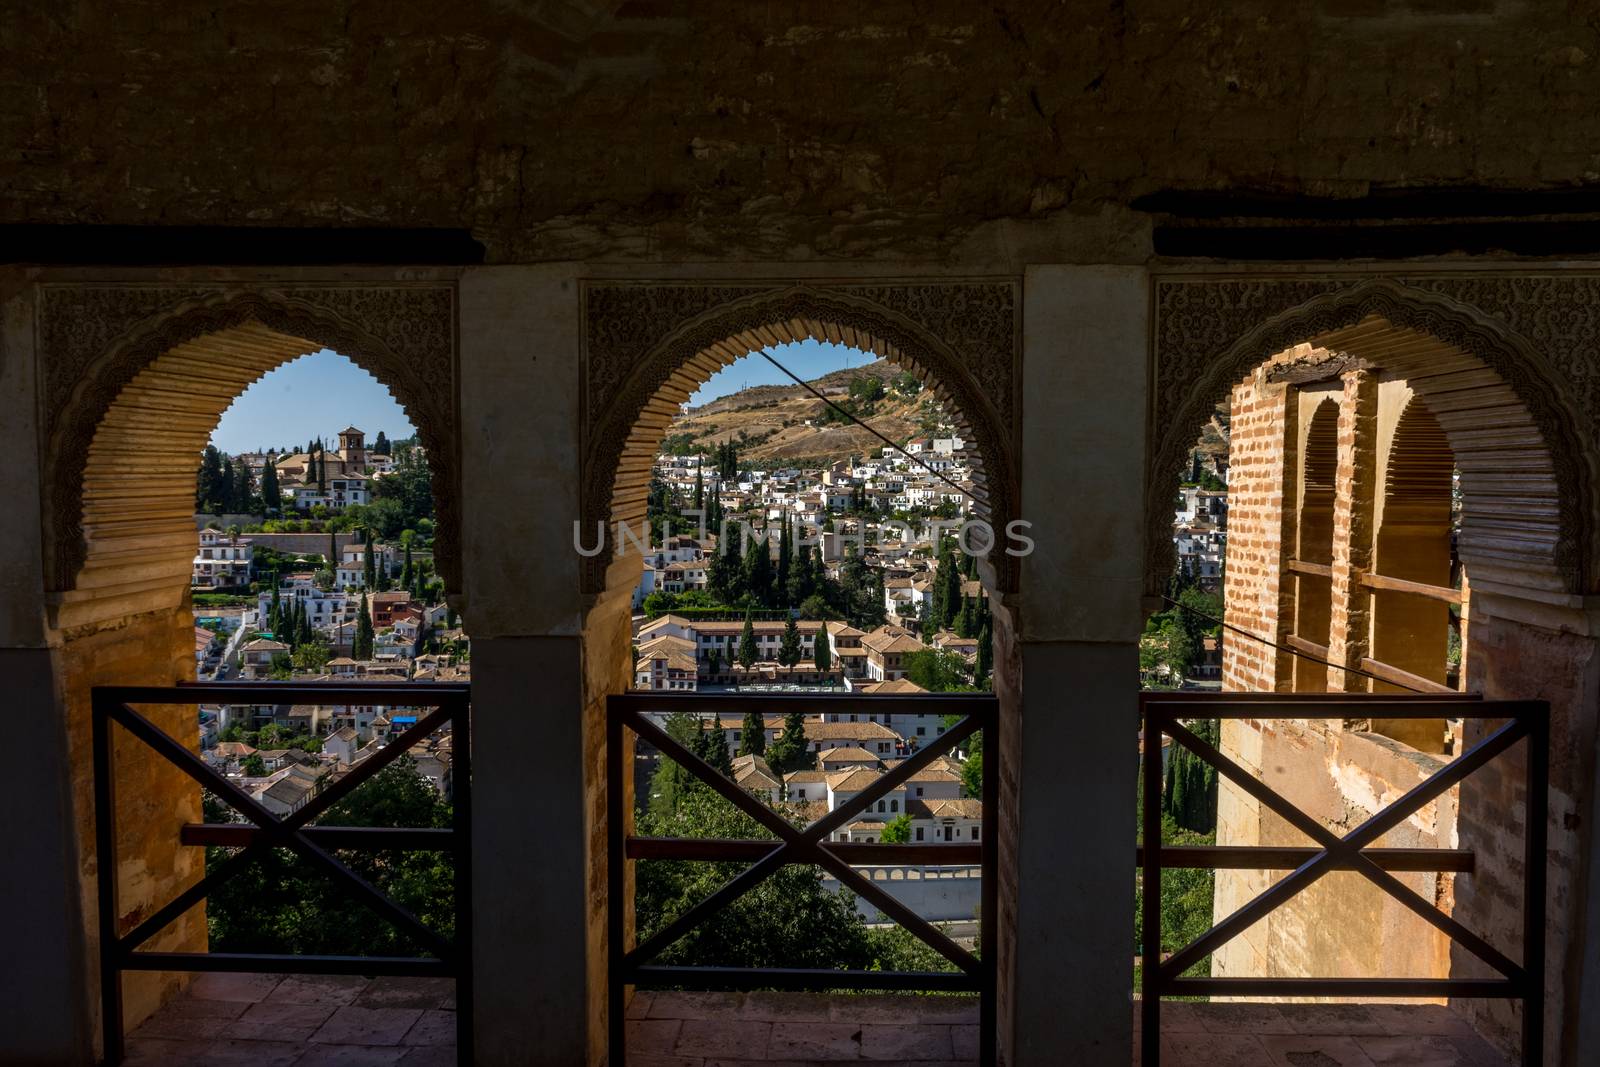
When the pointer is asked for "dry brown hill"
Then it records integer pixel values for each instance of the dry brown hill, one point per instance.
(774, 419)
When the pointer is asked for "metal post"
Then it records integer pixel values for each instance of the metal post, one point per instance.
(105, 833)
(988, 921)
(616, 989)
(461, 837)
(1150, 873)
(1533, 890)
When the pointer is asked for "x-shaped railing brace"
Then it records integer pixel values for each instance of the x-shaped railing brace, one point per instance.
(801, 846)
(277, 832)
(1340, 852)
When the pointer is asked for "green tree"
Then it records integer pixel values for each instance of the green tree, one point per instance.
(271, 494)
(381, 443)
(672, 780)
(790, 751)
(788, 920)
(758, 571)
(253, 766)
(780, 577)
(312, 656)
(821, 653)
(747, 643)
(714, 662)
(984, 666)
(753, 735)
(897, 831)
(789, 650)
(699, 491)
(361, 647)
(802, 577)
(938, 670)
(406, 572)
(208, 493)
(713, 748)
(369, 560)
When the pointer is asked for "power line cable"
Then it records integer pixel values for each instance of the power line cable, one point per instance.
(807, 386)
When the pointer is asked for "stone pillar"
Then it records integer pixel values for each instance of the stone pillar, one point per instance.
(1072, 737)
(539, 964)
(1350, 620)
(45, 988)
(1261, 533)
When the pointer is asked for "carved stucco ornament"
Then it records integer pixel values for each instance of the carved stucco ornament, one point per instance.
(960, 337)
(1540, 333)
(94, 339)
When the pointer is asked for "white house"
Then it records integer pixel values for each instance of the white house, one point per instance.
(222, 562)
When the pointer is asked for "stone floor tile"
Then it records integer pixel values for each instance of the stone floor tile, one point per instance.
(233, 986)
(1180, 1017)
(815, 1041)
(395, 992)
(351, 1056)
(964, 1039)
(434, 1028)
(279, 1020)
(653, 1036)
(722, 1037)
(1314, 1050)
(1214, 1050)
(929, 1041)
(675, 1061)
(897, 1010)
(1419, 1019)
(335, 989)
(639, 1006)
(185, 1019)
(229, 1053)
(1346, 1019)
(435, 1056)
(674, 1005)
(1418, 1050)
(351, 1025)
(160, 1051)
(786, 1007)
(1243, 1018)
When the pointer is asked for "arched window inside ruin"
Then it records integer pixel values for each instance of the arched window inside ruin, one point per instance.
(1319, 467)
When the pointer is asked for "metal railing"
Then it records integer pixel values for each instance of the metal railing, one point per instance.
(120, 952)
(794, 845)
(1164, 713)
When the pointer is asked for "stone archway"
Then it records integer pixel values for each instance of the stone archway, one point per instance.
(1530, 465)
(647, 347)
(135, 378)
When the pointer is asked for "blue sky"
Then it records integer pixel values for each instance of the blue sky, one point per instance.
(322, 393)
(316, 395)
(808, 359)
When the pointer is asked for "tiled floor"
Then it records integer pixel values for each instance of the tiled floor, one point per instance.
(304, 1021)
(798, 1030)
(265, 1020)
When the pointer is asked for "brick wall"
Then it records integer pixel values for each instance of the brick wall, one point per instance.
(1260, 465)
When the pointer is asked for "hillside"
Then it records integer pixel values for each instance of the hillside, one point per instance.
(773, 418)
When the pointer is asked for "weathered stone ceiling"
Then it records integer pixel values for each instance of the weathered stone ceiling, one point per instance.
(649, 128)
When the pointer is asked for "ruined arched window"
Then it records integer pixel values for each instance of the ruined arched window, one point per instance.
(1319, 467)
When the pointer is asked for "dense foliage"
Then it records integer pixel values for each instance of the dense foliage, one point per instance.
(281, 904)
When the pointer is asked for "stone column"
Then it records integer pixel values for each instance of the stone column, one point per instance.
(45, 990)
(538, 961)
(1350, 620)
(1071, 733)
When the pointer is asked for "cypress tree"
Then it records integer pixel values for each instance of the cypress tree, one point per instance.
(361, 648)
(333, 551)
(322, 469)
(271, 494)
(747, 643)
(821, 655)
(758, 571)
(369, 567)
(275, 611)
(790, 751)
(405, 569)
(208, 479)
(780, 577)
(789, 649)
(753, 735)
(699, 490)
(226, 487)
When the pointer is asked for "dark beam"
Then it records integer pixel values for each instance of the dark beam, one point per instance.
(141, 246)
